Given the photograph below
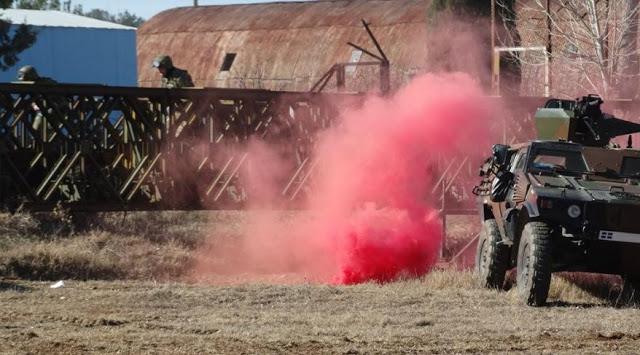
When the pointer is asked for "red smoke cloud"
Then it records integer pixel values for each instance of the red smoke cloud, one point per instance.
(370, 216)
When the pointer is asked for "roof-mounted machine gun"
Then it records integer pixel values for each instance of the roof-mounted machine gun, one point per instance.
(581, 121)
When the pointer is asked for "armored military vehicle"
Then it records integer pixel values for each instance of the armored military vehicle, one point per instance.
(567, 202)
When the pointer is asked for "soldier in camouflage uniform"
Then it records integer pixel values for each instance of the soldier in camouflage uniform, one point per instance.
(172, 77)
(29, 73)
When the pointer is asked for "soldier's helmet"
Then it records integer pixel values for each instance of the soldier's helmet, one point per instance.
(162, 61)
(28, 73)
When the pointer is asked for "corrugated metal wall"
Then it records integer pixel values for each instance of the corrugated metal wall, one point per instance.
(284, 46)
(81, 55)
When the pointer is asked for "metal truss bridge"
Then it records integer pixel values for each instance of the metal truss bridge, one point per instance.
(101, 148)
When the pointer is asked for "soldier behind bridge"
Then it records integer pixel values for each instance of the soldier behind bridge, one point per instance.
(172, 77)
(29, 73)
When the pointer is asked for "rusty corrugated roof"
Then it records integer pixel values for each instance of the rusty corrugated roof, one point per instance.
(282, 46)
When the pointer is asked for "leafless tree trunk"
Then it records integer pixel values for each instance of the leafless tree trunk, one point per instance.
(592, 44)
(628, 64)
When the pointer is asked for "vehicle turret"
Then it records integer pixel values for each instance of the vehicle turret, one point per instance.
(581, 121)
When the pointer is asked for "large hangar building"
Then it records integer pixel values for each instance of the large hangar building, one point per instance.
(285, 45)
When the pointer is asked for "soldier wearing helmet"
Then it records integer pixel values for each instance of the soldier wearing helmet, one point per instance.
(29, 73)
(172, 77)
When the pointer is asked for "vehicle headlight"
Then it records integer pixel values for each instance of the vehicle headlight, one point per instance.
(574, 211)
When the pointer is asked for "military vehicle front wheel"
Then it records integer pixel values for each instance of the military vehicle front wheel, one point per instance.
(491, 257)
(534, 263)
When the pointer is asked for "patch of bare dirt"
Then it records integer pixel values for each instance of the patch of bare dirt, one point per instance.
(440, 314)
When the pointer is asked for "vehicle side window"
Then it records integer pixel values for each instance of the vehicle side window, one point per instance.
(630, 166)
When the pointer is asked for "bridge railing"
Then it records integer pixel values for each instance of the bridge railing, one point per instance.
(105, 148)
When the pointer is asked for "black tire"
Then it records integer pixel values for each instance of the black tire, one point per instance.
(534, 263)
(491, 257)
(630, 293)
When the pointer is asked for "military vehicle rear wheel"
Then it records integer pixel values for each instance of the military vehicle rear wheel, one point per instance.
(534, 263)
(491, 257)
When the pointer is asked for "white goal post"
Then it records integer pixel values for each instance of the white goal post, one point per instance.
(496, 66)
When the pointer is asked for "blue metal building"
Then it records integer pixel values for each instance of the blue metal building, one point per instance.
(76, 49)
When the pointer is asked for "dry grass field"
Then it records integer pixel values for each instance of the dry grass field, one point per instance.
(126, 292)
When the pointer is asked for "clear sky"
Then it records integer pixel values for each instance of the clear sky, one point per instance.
(148, 8)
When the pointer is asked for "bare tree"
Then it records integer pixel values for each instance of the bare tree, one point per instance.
(14, 39)
(591, 44)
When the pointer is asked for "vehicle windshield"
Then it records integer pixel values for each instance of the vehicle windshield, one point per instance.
(560, 160)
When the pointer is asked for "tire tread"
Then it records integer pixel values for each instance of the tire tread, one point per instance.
(541, 239)
(498, 258)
